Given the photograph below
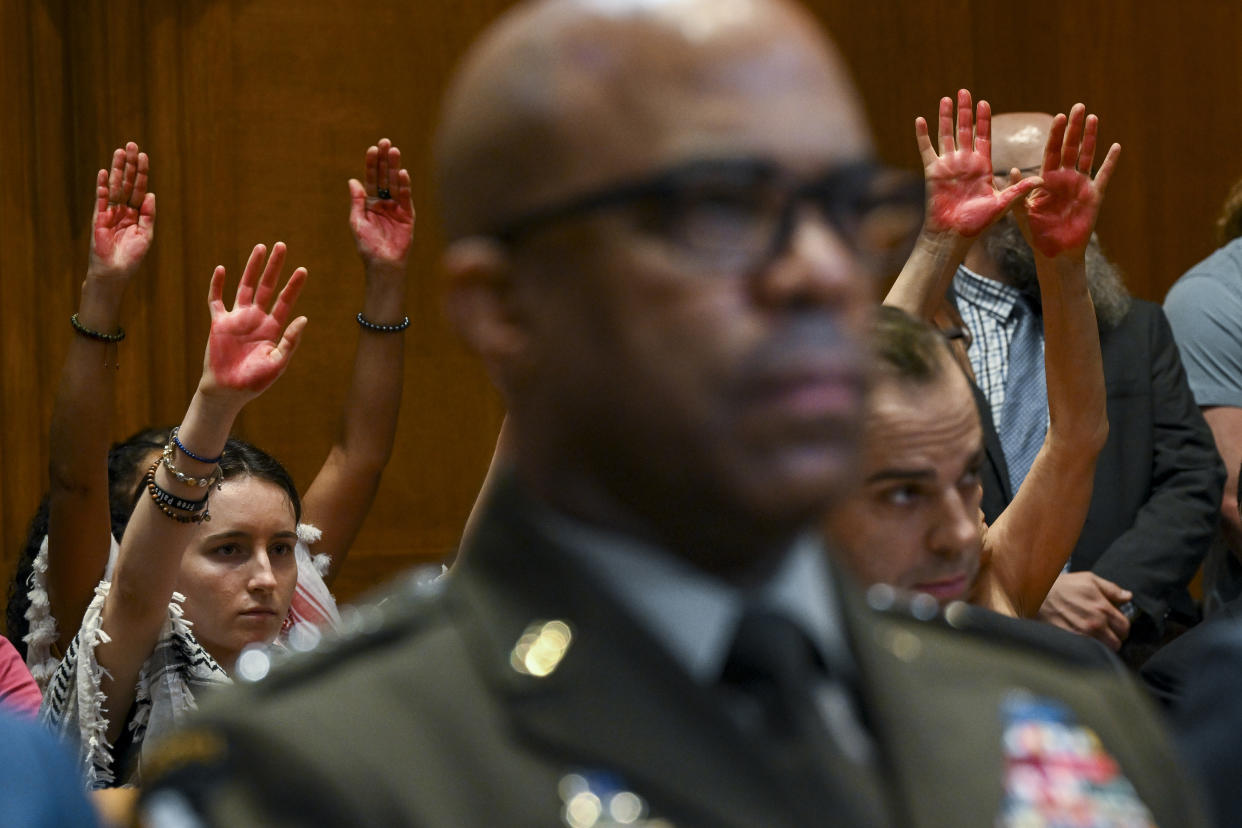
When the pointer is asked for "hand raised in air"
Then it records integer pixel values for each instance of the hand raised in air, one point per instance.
(250, 345)
(962, 196)
(123, 223)
(381, 212)
(1060, 214)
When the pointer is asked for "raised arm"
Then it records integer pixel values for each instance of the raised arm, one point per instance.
(962, 202)
(1031, 540)
(381, 216)
(248, 348)
(79, 526)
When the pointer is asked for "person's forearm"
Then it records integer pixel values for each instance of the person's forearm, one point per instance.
(1036, 534)
(150, 556)
(149, 562)
(340, 497)
(1226, 425)
(369, 421)
(79, 522)
(923, 281)
(1073, 366)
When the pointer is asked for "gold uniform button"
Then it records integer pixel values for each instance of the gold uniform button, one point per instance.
(540, 649)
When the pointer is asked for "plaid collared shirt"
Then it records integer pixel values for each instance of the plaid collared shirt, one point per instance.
(987, 307)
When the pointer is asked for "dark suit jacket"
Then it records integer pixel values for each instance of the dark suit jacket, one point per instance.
(422, 719)
(1168, 672)
(1207, 714)
(1158, 481)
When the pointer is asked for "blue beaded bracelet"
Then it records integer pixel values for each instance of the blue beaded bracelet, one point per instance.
(210, 461)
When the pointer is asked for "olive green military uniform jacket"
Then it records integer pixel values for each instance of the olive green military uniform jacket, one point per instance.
(466, 708)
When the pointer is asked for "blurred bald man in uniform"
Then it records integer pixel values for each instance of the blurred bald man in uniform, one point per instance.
(668, 231)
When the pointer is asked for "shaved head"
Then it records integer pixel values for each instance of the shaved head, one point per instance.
(1018, 140)
(548, 101)
(651, 375)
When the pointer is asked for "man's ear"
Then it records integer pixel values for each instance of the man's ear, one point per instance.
(481, 305)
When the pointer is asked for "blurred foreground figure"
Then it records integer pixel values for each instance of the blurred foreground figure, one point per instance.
(39, 786)
(667, 231)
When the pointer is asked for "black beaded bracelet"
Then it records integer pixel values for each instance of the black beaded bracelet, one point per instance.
(98, 336)
(210, 461)
(374, 326)
(163, 499)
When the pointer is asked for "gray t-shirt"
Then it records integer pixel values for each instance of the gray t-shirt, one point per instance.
(1205, 310)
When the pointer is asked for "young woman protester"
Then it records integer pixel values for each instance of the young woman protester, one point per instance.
(89, 504)
(214, 531)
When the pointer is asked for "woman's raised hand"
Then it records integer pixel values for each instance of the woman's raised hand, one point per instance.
(123, 224)
(962, 197)
(381, 212)
(250, 345)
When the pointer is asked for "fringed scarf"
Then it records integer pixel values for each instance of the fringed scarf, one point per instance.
(177, 671)
(312, 603)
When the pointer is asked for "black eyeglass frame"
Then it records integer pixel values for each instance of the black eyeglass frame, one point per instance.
(906, 190)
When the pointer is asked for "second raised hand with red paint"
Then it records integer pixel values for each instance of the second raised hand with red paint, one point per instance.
(1060, 214)
(249, 345)
(123, 224)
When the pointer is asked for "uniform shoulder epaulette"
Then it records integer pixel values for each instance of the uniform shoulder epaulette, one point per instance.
(991, 626)
(397, 611)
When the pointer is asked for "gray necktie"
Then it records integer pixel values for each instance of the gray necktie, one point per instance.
(1024, 416)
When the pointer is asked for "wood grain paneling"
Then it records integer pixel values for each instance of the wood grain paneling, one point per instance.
(255, 112)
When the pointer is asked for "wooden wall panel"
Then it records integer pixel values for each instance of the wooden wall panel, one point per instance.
(255, 113)
(1165, 80)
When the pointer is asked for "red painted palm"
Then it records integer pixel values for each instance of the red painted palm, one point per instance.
(962, 197)
(123, 224)
(1060, 215)
(249, 346)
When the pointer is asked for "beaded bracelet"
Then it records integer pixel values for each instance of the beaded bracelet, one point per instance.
(169, 499)
(378, 328)
(172, 436)
(99, 336)
(201, 482)
(162, 499)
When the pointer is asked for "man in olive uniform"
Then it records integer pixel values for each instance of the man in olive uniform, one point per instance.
(666, 235)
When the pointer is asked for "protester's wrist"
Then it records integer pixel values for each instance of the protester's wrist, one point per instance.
(218, 402)
(385, 271)
(385, 288)
(943, 243)
(100, 303)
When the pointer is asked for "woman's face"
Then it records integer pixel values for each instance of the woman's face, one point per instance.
(239, 572)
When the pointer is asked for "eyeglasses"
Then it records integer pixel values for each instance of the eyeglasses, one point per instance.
(736, 216)
(1003, 175)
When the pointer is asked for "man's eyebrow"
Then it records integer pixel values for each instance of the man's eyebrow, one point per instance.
(900, 474)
